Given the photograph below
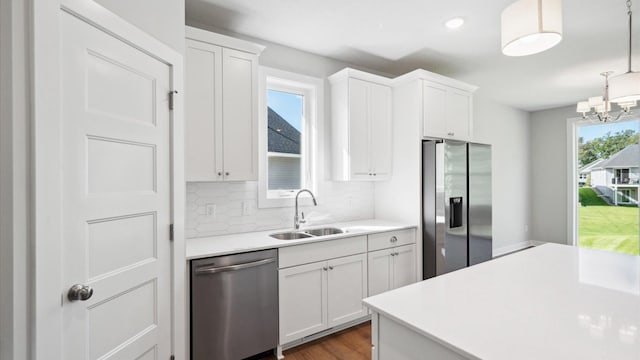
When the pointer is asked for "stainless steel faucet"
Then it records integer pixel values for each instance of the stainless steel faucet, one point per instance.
(300, 220)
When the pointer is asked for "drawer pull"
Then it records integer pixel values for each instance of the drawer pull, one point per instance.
(393, 239)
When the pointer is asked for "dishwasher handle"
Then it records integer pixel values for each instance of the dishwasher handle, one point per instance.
(218, 269)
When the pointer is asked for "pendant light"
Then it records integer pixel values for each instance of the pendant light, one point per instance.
(626, 87)
(531, 26)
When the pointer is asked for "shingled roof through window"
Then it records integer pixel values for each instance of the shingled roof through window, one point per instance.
(282, 136)
(628, 157)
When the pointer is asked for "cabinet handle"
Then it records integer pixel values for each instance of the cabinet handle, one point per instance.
(226, 174)
(324, 268)
(374, 174)
(393, 254)
(330, 267)
(219, 173)
(397, 253)
(450, 134)
(393, 239)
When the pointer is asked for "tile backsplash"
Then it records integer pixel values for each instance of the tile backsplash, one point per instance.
(235, 207)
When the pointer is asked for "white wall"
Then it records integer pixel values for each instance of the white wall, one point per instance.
(508, 130)
(15, 266)
(549, 174)
(162, 19)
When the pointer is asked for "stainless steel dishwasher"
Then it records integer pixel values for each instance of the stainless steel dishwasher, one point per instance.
(234, 305)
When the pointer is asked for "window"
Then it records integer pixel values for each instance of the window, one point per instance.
(285, 127)
(604, 211)
(289, 106)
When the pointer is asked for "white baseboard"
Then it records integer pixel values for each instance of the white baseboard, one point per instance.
(324, 333)
(537, 243)
(504, 250)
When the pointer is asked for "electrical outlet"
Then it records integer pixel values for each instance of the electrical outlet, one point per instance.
(349, 201)
(210, 210)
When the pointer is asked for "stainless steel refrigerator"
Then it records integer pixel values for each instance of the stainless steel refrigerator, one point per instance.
(456, 205)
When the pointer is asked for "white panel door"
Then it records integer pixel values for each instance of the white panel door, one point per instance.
(303, 300)
(347, 286)
(359, 129)
(380, 120)
(380, 277)
(203, 111)
(434, 110)
(404, 265)
(240, 118)
(116, 131)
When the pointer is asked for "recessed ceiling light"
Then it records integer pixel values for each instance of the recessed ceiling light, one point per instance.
(454, 23)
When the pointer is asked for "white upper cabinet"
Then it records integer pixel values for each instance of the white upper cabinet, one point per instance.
(361, 126)
(446, 112)
(443, 106)
(221, 107)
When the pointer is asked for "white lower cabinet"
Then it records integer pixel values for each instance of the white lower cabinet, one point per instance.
(322, 284)
(347, 286)
(323, 294)
(391, 268)
(303, 301)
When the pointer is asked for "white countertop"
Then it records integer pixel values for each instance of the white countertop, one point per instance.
(235, 243)
(549, 302)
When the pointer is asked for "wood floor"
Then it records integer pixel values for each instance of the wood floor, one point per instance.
(350, 344)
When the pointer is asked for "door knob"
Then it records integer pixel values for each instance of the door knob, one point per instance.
(80, 292)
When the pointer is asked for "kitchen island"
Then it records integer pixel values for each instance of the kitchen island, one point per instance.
(549, 302)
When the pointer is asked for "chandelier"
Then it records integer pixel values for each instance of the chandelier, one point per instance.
(598, 108)
(625, 91)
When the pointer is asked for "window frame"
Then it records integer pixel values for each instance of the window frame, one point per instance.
(312, 90)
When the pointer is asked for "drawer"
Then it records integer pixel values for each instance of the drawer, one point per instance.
(320, 251)
(391, 239)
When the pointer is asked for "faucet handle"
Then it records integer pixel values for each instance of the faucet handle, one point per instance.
(302, 219)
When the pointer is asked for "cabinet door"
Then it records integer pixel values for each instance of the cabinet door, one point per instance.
(240, 121)
(434, 109)
(404, 265)
(380, 122)
(380, 278)
(347, 286)
(303, 301)
(459, 114)
(359, 130)
(203, 111)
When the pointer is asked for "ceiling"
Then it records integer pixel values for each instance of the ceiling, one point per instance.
(399, 36)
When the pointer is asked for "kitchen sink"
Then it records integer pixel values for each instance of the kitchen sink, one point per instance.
(302, 234)
(324, 231)
(290, 235)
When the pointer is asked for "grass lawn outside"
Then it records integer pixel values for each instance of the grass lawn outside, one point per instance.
(604, 227)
